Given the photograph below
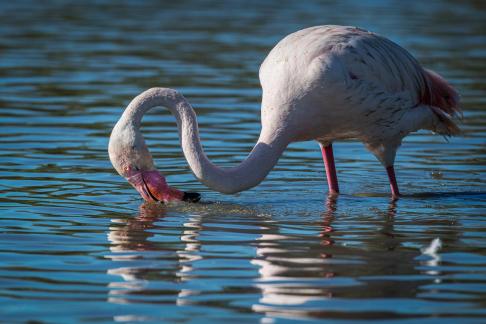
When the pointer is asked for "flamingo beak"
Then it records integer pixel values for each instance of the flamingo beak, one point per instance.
(152, 187)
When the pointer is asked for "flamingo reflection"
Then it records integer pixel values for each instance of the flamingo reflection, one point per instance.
(287, 278)
(132, 247)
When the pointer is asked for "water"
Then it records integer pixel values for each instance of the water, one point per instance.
(78, 245)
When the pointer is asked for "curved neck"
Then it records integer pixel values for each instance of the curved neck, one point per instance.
(248, 174)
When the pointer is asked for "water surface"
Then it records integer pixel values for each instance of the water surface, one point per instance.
(78, 245)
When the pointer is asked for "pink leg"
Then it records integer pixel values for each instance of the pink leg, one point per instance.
(393, 181)
(332, 180)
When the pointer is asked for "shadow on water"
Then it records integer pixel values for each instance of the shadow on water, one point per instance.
(425, 195)
(460, 194)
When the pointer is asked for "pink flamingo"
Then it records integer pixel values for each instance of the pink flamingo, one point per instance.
(323, 83)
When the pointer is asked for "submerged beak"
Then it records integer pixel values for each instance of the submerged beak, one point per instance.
(152, 187)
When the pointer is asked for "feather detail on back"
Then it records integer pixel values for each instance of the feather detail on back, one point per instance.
(443, 100)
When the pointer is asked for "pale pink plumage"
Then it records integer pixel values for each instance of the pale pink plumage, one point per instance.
(443, 99)
(323, 83)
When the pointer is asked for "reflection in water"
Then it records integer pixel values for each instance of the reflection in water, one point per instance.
(288, 277)
(127, 237)
(434, 259)
(328, 217)
(130, 239)
(298, 273)
(387, 238)
(188, 255)
(301, 283)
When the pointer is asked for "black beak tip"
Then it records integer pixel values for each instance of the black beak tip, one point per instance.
(191, 197)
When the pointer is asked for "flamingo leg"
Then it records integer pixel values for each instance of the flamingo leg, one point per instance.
(393, 181)
(332, 180)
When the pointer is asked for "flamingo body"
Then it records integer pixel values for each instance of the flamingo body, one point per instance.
(323, 83)
(333, 82)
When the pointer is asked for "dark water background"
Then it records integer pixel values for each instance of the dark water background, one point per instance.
(78, 245)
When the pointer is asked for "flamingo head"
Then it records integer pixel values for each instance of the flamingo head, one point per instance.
(131, 158)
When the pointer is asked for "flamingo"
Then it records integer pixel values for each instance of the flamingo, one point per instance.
(323, 83)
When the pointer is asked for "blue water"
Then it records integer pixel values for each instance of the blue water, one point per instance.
(78, 245)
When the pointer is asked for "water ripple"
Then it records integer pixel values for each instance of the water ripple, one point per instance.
(77, 245)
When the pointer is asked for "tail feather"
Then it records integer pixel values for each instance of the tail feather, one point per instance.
(446, 126)
(443, 100)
